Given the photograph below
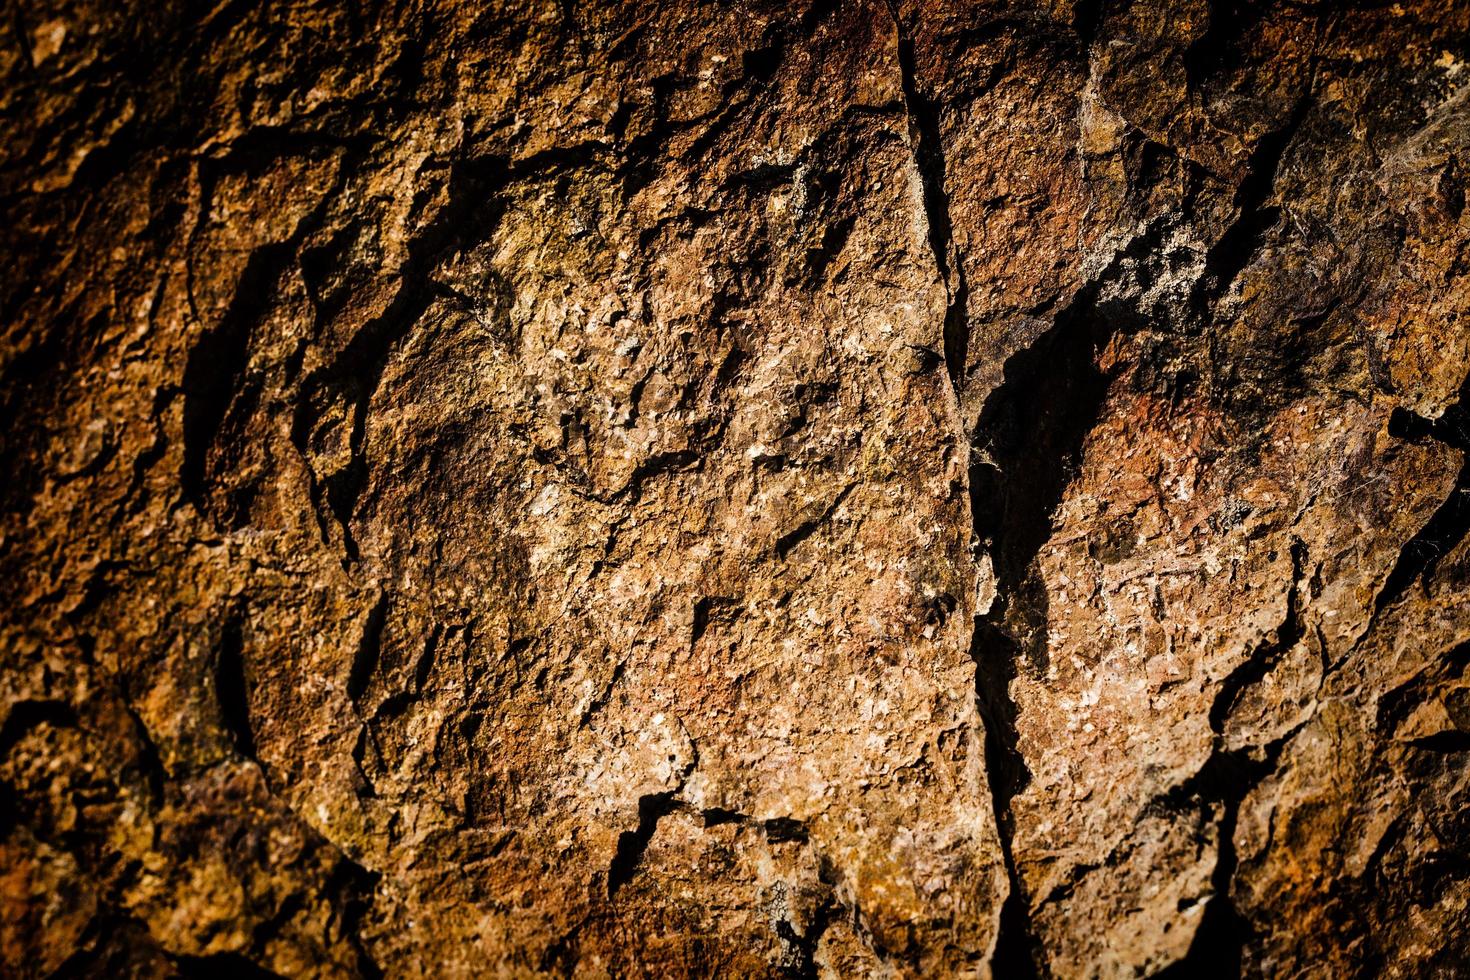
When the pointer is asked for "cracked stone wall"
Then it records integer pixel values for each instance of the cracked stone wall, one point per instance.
(834, 489)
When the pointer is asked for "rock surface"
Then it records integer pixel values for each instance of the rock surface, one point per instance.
(747, 489)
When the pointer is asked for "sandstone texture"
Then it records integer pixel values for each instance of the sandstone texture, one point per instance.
(746, 489)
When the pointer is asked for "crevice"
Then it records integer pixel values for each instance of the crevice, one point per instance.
(776, 830)
(135, 497)
(1448, 526)
(1445, 743)
(369, 649)
(925, 135)
(802, 946)
(1087, 17)
(652, 807)
(217, 361)
(561, 956)
(149, 762)
(1228, 257)
(28, 714)
(717, 816)
(817, 14)
(656, 465)
(783, 830)
(1395, 705)
(341, 491)
(1025, 449)
(353, 888)
(1220, 941)
(994, 648)
(222, 966)
(758, 68)
(1226, 778)
(596, 705)
(788, 541)
(268, 929)
(1288, 633)
(1027, 444)
(232, 688)
(1211, 51)
(1217, 949)
(363, 785)
(820, 258)
(423, 669)
(706, 609)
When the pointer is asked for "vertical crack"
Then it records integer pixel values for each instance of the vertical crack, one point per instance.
(369, 649)
(928, 149)
(1218, 948)
(232, 688)
(1447, 526)
(802, 946)
(217, 366)
(354, 889)
(1260, 662)
(1220, 939)
(1228, 257)
(1227, 777)
(652, 807)
(1026, 446)
(1023, 450)
(1087, 17)
(218, 360)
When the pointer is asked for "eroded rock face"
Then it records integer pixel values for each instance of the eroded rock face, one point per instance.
(749, 489)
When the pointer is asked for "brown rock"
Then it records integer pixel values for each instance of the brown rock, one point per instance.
(872, 489)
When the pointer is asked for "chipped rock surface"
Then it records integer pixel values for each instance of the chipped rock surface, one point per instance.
(865, 489)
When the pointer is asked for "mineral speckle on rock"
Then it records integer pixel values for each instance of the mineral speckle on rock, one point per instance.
(672, 489)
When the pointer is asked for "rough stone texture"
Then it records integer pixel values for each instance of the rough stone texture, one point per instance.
(744, 489)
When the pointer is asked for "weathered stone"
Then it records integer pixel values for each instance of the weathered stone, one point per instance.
(672, 489)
